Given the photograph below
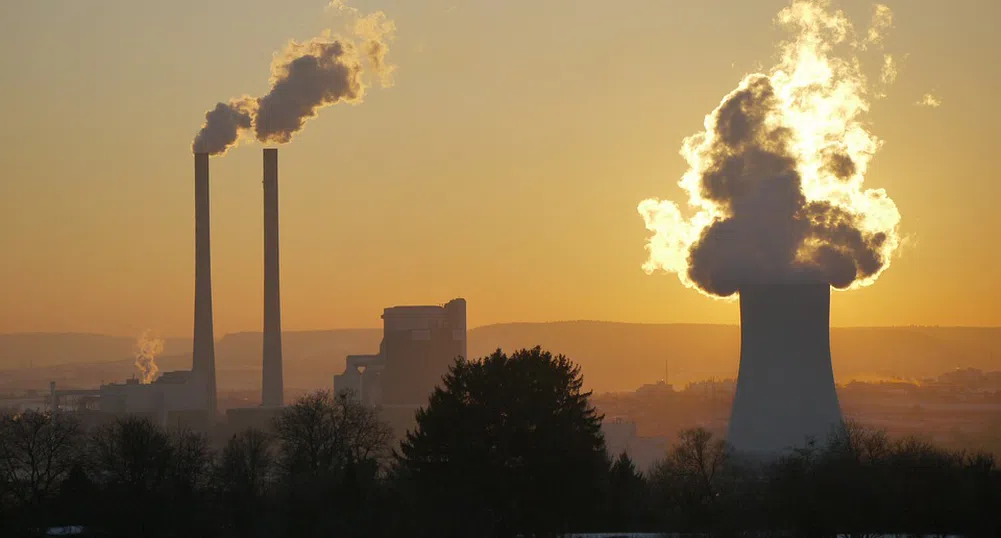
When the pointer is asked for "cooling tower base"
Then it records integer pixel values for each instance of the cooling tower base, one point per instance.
(785, 389)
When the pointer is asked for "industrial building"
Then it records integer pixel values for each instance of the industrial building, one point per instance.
(174, 391)
(785, 385)
(418, 345)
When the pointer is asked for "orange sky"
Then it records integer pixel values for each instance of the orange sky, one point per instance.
(504, 166)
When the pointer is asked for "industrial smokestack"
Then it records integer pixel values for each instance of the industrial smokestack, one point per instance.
(785, 387)
(272, 385)
(203, 353)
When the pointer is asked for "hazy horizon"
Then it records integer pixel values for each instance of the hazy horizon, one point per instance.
(498, 323)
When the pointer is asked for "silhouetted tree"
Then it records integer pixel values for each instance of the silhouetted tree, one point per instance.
(190, 478)
(628, 500)
(850, 473)
(330, 450)
(244, 473)
(321, 433)
(794, 501)
(693, 481)
(75, 504)
(983, 481)
(507, 445)
(37, 452)
(131, 461)
(860, 483)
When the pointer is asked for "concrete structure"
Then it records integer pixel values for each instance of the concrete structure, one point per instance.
(418, 345)
(363, 376)
(785, 387)
(203, 352)
(621, 435)
(172, 392)
(272, 384)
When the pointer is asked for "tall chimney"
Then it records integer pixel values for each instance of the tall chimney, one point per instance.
(785, 386)
(272, 385)
(203, 354)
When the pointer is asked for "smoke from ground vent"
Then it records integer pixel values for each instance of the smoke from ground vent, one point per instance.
(305, 77)
(148, 346)
(775, 180)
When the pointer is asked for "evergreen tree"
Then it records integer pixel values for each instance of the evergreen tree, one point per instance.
(507, 445)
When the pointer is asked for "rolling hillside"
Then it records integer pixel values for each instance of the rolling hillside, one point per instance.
(614, 356)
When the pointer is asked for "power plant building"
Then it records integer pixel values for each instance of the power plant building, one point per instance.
(785, 391)
(418, 345)
(173, 391)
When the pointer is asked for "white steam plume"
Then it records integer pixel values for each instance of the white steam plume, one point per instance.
(775, 182)
(929, 101)
(148, 346)
(305, 77)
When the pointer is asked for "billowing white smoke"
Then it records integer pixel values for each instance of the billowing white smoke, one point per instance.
(148, 346)
(305, 78)
(775, 182)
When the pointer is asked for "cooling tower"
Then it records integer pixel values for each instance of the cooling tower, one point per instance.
(271, 383)
(203, 352)
(785, 387)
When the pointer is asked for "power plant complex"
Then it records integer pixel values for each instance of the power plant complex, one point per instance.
(195, 390)
(419, 342)
(785, 391)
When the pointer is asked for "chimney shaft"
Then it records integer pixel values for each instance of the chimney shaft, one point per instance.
(203, 352)
(785, 387)
(272, 385)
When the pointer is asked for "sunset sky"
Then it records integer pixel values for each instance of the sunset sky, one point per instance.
(504, 166)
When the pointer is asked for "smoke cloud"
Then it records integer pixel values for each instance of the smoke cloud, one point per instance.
(148, 347)
(305, 78)
(223, 125)
(929, 101)
(882, 20)
(775, 182)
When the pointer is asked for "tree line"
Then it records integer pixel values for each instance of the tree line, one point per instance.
(507, 445)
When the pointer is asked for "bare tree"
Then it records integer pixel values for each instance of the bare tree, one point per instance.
(700, 459)
(191, 462)
(323, 433)
(859, 443)
(693, 479)
(246, 464)
(329, 452)
(37, 451)
(132, 454)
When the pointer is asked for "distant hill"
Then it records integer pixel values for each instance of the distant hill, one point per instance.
(613, 356)
(623, 356)
(36, 350)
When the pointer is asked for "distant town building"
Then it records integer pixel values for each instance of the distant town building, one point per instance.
(621, 435)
